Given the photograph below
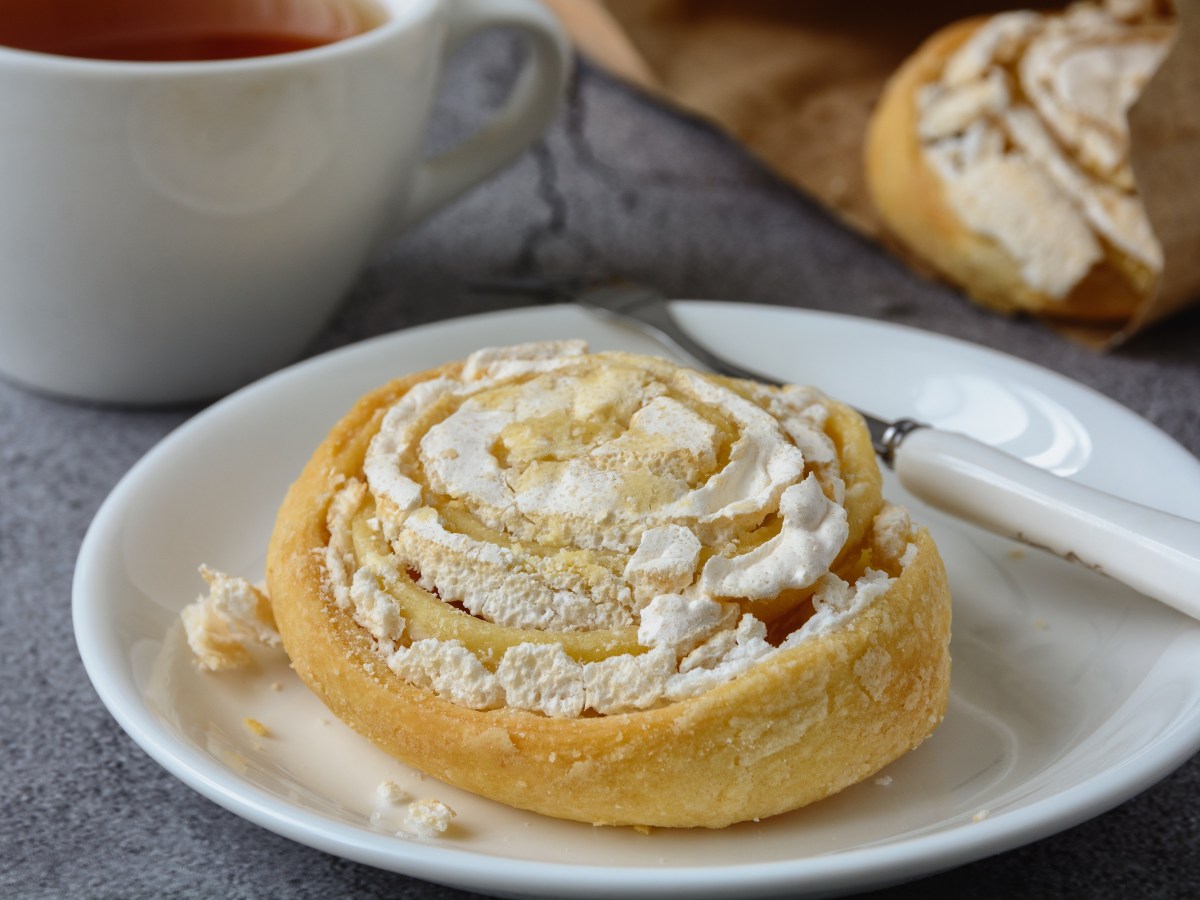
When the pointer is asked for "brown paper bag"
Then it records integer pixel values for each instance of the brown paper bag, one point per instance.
(795, 82)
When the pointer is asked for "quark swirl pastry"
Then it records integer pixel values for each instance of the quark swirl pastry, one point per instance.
(610, 589)
(999, 153)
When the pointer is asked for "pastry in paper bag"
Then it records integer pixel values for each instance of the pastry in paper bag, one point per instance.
(1000, 155)
(798, 84)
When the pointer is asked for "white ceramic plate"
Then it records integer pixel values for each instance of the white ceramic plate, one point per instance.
(1070, 692)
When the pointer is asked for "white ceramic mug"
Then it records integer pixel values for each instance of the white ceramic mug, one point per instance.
(172, 230)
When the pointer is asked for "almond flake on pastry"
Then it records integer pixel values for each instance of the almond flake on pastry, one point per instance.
(664, 562)
(681, 623)
(450, 670)
(542, 678)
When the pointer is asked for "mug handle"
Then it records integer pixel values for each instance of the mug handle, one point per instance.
(533, 104)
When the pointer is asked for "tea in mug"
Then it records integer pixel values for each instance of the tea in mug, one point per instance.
(180, 30)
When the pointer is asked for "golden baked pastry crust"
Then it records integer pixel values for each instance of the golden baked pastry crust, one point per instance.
(910, 198)
(801, 726)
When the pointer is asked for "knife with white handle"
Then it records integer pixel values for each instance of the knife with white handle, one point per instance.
(1154, 552)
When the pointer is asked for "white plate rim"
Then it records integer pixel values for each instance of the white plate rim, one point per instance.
(840, 871)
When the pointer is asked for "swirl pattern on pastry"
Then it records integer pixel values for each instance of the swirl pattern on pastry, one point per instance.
(545, 542)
